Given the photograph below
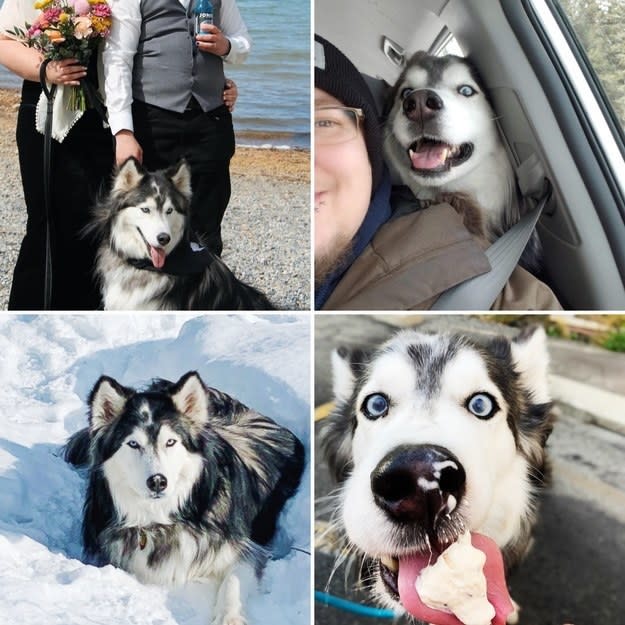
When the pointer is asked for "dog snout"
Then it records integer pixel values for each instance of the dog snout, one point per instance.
(157, 483)
(416, 484)
(163, 238)
(422, 104)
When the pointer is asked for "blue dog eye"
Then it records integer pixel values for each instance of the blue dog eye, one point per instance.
(375, 406)
(482, 405)
(466, 90)
(133, 444)
(405, 92)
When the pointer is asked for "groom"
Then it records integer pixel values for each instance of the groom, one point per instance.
(164, 91)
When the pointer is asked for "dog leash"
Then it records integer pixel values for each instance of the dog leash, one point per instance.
(47, 188)
(350, 606)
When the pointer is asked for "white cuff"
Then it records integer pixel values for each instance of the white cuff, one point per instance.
(120, 121)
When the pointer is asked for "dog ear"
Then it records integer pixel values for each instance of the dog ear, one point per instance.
(107, 401)
(128, 176)
(189, 397)
(531, 358)
(337, 431)
(180, 175)
(343, 377)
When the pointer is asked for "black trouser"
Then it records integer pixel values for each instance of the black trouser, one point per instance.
(206, 140)
(81, 166)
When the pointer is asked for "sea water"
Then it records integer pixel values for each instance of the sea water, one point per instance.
(273, 107)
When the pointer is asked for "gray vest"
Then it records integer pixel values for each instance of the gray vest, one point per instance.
(168, 67)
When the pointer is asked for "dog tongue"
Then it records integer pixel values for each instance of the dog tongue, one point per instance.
(158, 256)
(497, 590)
(429, 156)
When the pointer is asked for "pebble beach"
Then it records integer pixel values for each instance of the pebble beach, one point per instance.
(266, 229)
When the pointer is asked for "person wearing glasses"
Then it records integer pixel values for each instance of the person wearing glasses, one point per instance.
(374, 251)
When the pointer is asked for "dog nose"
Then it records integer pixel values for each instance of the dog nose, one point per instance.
(433, 101)
(163, 238)
(157, 483)
(415, 484)
(422, 104)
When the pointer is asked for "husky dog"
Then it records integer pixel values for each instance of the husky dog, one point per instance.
(185, 482)
(145, 259)
(434, 435)
(441, 139)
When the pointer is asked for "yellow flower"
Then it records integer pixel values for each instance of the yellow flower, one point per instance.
(101, 24)
(64, 17)
(42, 4)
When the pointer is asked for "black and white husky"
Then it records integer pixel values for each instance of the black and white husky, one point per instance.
(185, 483)
(434, 435)
(145, 259)
(442, 141)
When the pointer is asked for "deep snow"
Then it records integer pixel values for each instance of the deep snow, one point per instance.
(48, 364)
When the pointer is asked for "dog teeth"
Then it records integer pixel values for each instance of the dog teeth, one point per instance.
(390, 563)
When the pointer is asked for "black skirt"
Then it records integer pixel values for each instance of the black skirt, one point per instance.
(81, 168)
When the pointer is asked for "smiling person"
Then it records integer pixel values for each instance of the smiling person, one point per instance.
(375, 248)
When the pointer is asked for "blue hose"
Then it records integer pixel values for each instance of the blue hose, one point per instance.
(350, 606)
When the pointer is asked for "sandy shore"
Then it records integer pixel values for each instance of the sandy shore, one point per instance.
(266, 229)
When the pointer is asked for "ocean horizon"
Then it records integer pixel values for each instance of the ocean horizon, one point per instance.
(273, 108)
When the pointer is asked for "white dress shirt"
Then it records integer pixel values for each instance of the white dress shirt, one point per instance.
(121, 45)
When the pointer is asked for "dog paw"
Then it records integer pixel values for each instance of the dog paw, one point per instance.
(472, 215)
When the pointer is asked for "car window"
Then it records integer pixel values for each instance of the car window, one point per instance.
(600, 28)
(586, 89)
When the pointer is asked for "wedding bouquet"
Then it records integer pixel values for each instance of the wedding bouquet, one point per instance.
(68, 29)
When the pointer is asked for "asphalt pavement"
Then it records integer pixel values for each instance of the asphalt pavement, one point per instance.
(575, 570)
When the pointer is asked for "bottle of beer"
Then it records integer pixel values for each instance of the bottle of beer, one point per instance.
(203, 11)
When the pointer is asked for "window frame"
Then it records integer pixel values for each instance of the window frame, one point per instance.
(604, 132)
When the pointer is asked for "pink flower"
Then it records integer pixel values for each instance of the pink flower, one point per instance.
(52, 14)
(81, 7)
(82, 28)
(101, 10)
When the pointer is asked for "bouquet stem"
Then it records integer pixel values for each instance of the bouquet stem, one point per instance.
(77, 100)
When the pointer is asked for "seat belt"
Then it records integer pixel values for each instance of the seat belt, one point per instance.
(480, 292)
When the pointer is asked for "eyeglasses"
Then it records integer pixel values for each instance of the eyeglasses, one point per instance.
(336, 124)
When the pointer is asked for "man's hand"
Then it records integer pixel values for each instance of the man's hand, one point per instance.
(213, 40)
(230, 94)
(126, 146)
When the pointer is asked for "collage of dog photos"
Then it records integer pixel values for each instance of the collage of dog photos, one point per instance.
(312, 313)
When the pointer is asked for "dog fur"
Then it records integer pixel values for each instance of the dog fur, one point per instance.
(185, 483)
(438, 102)
(142, 227)
(428, 382)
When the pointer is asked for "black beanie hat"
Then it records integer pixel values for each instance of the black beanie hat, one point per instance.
(336, 75)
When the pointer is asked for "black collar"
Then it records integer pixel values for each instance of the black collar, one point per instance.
(181, 261)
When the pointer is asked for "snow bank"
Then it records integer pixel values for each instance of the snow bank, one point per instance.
(48, 364)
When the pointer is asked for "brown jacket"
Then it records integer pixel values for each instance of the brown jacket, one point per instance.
(416, 257)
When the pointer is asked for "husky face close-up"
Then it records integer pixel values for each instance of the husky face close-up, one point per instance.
(185, 483)
(150, 211)
(434, 436)
(149, 458)
(441, 136)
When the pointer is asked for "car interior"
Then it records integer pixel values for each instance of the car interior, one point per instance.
(544, 126)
